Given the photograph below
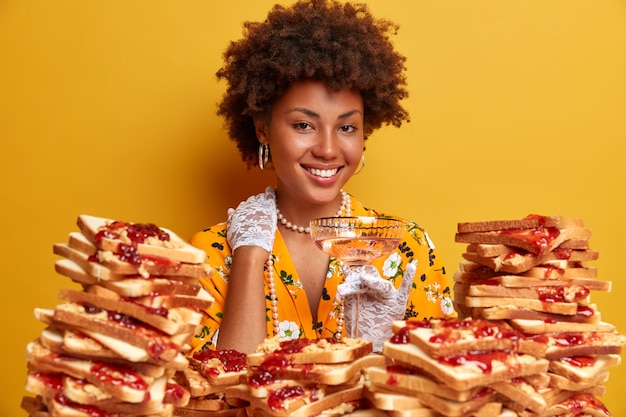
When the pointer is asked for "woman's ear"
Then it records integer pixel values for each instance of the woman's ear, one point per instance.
(260, 127)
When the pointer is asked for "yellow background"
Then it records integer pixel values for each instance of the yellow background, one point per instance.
(108, 108)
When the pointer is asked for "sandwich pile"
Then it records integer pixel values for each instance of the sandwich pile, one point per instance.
(527, 341)
(209, 374)
(306, 377)
(456, 367)
(115, 343)
(534, 276)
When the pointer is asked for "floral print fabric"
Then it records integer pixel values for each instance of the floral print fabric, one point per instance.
(429, 297)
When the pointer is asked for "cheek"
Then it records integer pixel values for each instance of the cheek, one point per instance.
(355, 151)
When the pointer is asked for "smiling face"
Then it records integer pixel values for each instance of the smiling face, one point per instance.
(316, 141)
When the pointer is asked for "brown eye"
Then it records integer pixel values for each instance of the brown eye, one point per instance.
(302, 126)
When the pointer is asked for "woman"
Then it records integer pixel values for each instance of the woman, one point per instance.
(305, 89)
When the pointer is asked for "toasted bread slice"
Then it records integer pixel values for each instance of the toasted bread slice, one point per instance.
(522, 393)
(82, 346)
(130, 286)
(35, 406)
(302, 351)
(192, 412)
(148, 238)
(580, 404)
(327, 374)
(529, 222)
(410, 380)
(442, 406)
(570, 344)
(515, 261)
(220, 367)
(448, 337)
(198, 385)
(168, 320)
(83, 392)
(545, 293)
(481, 369)
(519, 281)
(536, 305)
(537, 241)
(583, 369)
(390, 400)
(560, 382)
(584, 314)
(158, 344)
(295, 400)
(130, 263)
(121, 383)
(553, 326)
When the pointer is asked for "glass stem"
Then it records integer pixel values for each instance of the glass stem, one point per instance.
(356, 325)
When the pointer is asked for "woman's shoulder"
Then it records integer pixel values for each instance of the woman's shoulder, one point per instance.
(209, 236)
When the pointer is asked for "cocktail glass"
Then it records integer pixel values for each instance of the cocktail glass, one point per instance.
(356, 241)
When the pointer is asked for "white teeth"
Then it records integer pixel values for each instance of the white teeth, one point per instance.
(324, 173)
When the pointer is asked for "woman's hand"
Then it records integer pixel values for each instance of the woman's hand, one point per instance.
(379, 302)
(250, 232)
(253, 222)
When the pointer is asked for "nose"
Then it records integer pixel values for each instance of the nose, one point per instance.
(327, 145)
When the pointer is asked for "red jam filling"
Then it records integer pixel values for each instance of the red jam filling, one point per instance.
(401, 337)
(578, 403)
(568, 339)
(556, 294)
(274, 362)
(297, 345)
(584, 311)
(480, 329)
(276, 399)
(119, 376)
(580, 361)
(136, 232)
(89, 410)
(539, 238)
(562, 253)
(159, 311)
(50, 380)
(232, 360)
(482, 359)
(174, 392)
(261, 378)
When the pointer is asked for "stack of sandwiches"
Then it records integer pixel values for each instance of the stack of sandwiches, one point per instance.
(115, 343)
(458, 368)
(534, 275)
(306, 377)
(528, 342)
(209, 374)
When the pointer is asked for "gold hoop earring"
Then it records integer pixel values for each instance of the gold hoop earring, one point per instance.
(264, 155)
(362, 165)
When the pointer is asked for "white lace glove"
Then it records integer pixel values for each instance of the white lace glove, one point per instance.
(253, 222)
(379, 302)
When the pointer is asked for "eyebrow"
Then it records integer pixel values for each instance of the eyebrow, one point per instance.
(315, 115)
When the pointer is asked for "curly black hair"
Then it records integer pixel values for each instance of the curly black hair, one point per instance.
(341, 44)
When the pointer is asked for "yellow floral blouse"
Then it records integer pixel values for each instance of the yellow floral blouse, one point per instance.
(430, 293)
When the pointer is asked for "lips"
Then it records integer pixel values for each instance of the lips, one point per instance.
(323, 173)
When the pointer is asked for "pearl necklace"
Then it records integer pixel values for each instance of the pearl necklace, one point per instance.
(346, 208)
(345, 202)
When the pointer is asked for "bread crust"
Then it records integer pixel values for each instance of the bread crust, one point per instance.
(466, 376)
(526, 239)
(529, 222)
(452, 336)
(409, 381)
(172, 248)
(325, 351)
